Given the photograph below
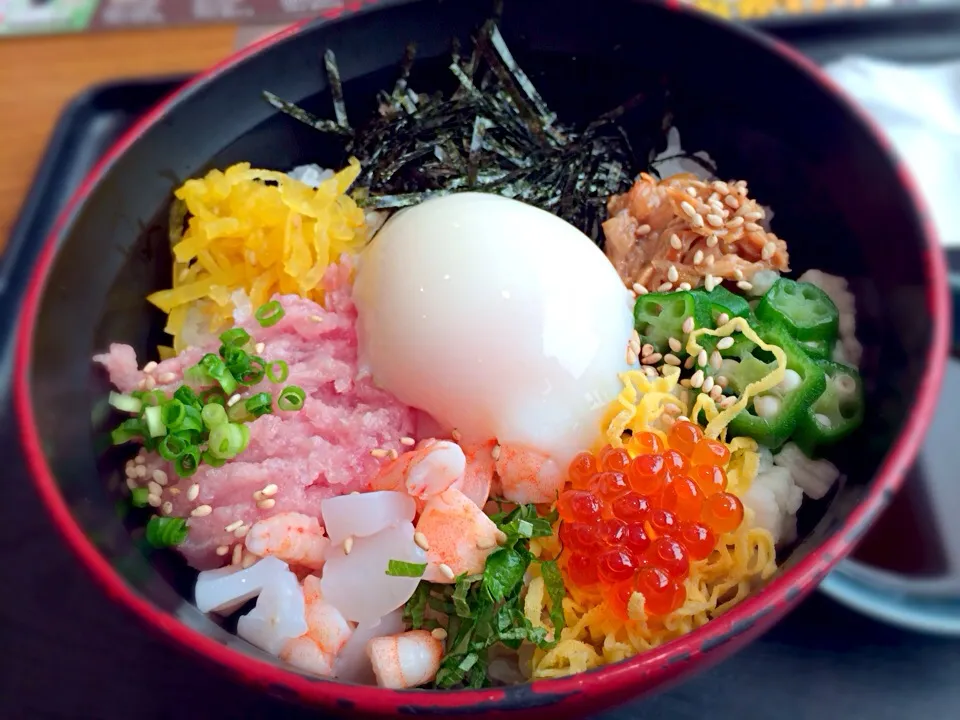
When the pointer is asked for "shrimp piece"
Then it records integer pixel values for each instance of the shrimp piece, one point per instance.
(527, 476)
(424, 472)
(477, 476)
(292, 537)
(406, 660)
(459, 536)
(327, 632)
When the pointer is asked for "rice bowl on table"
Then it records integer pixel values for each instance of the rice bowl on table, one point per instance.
(439, 418)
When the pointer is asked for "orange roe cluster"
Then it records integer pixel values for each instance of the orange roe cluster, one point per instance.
(634, 525)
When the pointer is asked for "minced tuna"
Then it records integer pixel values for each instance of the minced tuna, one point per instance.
(294, 459)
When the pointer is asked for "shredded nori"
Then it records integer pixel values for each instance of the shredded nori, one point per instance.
(494, 133)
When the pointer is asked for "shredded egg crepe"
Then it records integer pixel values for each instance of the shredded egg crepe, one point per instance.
(260, 232)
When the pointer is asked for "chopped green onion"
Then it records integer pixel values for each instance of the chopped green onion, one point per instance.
(213, 395)
(245, 440)
(238, 412)
(226, 440)
(187, 396)
(154, 422)
(172, 414)
(259, 404)
(213, 366)
(212, 460)
(291, 397)
(197, 375)
(254, 371)
(236, 337)
(281, 372)
(399, 568)
(151, 397)
(269, 314)
(187, 461)
(213, 415)
(125, 403)
(192, 422)
(138, 497)
(525, 529)
(127, 430)
(164, 532)
(171, 446)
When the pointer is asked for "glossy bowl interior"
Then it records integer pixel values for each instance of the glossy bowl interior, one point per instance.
(838, 197)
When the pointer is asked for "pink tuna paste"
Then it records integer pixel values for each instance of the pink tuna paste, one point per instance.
(311, 454)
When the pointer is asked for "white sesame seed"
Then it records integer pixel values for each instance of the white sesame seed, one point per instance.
(716, 360)
(495, 453)
(667, 420)
(316, 318)
(674, 344)
(712, 241)
(671, 359)
(259, 348)
(822, 419)
(233, 526)
(738, 274)
(692, 191)
(149, 383)
(768, 250)
(671, 409)
(685, 382)
(193, 492)
(707, 384)
(650, 372)
(154, 488)
(455, 434)
(752, 227)
(709, 262)
(684, 286)
(732, 202)
(154, 500)
(266, 504)
(141, 471)
(745, 286)
(683, 418)
(223, 550)
(640, 289)
(753, 215)
(672, 274)
(688, 325)
(166, 508)
(721, 187)
(716, 392)
(150, 367)
(697, 379)
(725, 343)
(270, 489)
(234, 399)
(439, 633)
(140, 459)
(716, 205)
(446, 571)
(702, 358)
(142, 385)
(393, 454)
(646, 350)
(698, 257)
(407, 441)
(715, 220)
(735, 222)
(379, 453)
(687, 208)
(688, 363)
(675, 242)
(130, 471)
(173, 491)
(722, 381)
(131, 483)
(727, 402)
(348, 545)
(665, 287)
(652, 359)
(421, 540)
(160, 477)
(201, 511)
(643, 230)
(167, 377)
(697, 220)
(241, 531)
(722, 319)
(237, 554)
(631, 357)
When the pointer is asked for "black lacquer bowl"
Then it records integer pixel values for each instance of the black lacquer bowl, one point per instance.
(763, 114)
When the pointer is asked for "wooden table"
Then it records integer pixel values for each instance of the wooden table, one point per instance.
(39, 75)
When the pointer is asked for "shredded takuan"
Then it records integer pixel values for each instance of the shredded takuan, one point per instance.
(260, 232)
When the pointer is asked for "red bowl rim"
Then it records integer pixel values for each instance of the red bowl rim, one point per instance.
(615, 679)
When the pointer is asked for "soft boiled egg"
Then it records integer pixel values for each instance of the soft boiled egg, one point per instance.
(497, 318)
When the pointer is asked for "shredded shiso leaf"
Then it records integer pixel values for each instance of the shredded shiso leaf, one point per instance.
(494, 133)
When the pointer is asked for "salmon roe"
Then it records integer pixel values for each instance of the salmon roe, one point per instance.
(634, 521)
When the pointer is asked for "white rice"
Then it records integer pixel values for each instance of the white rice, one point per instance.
(311, 175)
(814, 477)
